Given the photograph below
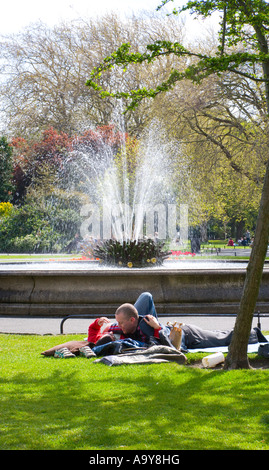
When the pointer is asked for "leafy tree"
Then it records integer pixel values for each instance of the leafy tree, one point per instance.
(33, 157)
(205, 117)
(227, 183)
(220, 193)
(243, 43)
(6, 171)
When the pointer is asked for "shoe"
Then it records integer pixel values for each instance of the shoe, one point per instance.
(63, 353)
(264, 350)
(85, 351)
(260, 336)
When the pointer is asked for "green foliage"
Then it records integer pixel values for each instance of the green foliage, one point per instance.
(137, 254)
(244, 21)
(6, 171)
(32, 243)
(37, 227)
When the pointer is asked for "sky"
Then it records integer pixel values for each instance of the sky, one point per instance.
(16, 14)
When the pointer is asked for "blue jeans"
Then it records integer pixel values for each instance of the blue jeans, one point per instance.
(145, 306)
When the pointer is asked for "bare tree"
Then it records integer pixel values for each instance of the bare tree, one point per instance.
(45, 71)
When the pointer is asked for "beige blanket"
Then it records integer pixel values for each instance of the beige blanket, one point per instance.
(152, 355)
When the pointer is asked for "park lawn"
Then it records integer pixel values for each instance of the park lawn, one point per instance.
(28, 257)
(74, 404)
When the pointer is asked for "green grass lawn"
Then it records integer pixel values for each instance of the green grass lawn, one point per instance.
(35, 257)
(74, 404)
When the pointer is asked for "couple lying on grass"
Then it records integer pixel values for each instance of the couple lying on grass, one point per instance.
(137, 326)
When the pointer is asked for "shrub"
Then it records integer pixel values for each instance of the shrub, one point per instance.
(32, 229)
(132, 253)
(5, 209)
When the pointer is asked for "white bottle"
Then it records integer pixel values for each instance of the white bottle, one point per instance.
(213, 359)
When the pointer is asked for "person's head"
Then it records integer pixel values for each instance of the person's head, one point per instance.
(127, 318)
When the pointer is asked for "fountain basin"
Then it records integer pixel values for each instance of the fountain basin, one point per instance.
(52, 290)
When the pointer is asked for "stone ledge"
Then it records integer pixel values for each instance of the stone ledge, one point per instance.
(98, 292)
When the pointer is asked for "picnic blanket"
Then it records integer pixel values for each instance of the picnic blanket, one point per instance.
(152, 355)
(159, 353)
(252, 348)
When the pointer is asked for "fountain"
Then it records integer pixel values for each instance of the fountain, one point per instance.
(129, 204)
(130, 199)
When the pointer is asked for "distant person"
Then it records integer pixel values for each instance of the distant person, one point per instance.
(244, 242)
(230, 242)
(195, 245)
(73, 245)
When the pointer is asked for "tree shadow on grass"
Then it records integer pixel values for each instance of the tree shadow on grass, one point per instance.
(134, 407)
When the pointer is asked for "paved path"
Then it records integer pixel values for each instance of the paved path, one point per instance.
(43, 326)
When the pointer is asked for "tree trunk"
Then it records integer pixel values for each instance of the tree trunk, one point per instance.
(240, 229)
(237, 356)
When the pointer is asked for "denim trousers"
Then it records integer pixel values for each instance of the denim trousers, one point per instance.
(145, 306)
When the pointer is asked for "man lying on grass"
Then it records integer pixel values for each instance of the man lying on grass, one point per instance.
(137, 326)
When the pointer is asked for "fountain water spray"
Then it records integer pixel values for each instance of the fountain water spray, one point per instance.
(129, 188)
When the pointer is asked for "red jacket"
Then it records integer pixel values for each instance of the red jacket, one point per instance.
(96, 332)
